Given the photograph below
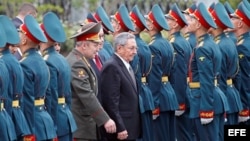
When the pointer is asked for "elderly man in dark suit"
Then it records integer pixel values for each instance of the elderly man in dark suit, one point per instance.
(119, 90)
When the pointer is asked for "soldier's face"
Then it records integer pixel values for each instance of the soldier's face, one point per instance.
(91, 48)
(193, 25)
(237, 22)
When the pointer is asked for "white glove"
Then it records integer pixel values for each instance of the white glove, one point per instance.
(155, 117)
(243, 118)
(179, 112)
(206, 120)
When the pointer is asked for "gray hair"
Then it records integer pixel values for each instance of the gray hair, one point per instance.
(122, 39)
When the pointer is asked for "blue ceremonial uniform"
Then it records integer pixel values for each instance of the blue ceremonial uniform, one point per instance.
(36, 80)
(141, 65)
(16, 80)
(244, 75)
(229, 68)
(7, 128)
(229, 65)
(106, 51)
(164, 95)
(178, 80)
(206, 98)
(58, 94)
(15, 94)
(108, 47)
(178, 74)
(242, 79)
(190, 37)
(60, 91)
(207, 102)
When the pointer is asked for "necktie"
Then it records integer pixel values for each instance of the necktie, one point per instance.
(98, 62)
(131, 72)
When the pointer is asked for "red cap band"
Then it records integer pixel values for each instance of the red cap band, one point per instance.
(242, 16)
(151, 17)
(25, 30)
(118, 18)
(200, 18)
(177, 18)
(46, 34)
(136, 20)
(217, 20)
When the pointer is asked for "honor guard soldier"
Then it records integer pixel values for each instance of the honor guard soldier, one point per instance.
(12, 102)
(102, 16)
(178, 75)
(206, 106)
(190, 37)
(229, 31)
(36, 81)
(229, 65)
(86, 108)
(121, 21)
(103, 54)
(142, 66)
(58, 95)
(240, 19)
(165, 100)
(7, 128)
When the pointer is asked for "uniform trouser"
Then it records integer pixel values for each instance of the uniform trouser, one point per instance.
(164, 127)
(220, 119)
(184, 128)
(207, 132)
(67, 137)
(147, 126)
(232, 118)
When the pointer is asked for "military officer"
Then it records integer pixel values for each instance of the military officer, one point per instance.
(58, 95)
(189, 36)
(36, 80)
(178, 75)
(86, 108)
(240, 19)
(141, 66)
(15, 87)
(165, 100)
(229, 65)
(206, 106)
(7, 128)
(121, 21)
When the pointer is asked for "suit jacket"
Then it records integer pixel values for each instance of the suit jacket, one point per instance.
(17, 22)
(120, 98)
(86, 108)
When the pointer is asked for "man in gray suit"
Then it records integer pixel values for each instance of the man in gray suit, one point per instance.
(85, 106)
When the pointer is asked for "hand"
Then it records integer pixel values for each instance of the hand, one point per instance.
(179, 112)
(110, 126)
(156, 113)
(206, 120)
(243, 118)
(122, 135)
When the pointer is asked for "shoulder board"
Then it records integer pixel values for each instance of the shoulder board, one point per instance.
(45, 57)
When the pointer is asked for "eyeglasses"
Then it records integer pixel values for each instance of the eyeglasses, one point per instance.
(131, 48)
